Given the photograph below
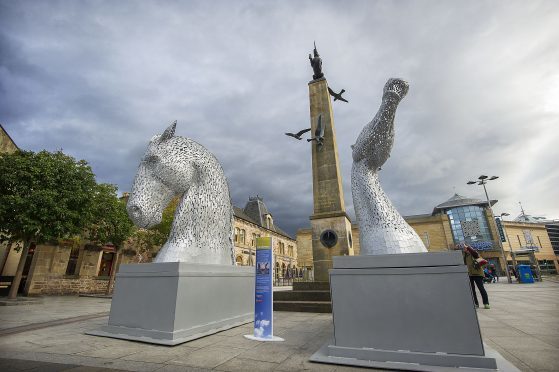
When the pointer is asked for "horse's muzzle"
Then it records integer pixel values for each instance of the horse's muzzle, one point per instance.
(137, 216)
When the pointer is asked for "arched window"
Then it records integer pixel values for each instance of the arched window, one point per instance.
(269, 221)
(239, 260)
(242, 238)
(283, 268)
(277, 269)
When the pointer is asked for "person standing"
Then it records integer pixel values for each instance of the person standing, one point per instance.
(493, 271)
(513, 272)
(475, 272)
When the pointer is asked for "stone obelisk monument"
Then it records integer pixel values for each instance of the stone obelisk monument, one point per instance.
(331, 227)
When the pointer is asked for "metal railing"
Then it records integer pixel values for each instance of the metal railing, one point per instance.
(305, 276)
(283, 282)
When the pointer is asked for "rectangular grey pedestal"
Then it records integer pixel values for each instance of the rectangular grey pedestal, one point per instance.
(171, 303)
(406, 311)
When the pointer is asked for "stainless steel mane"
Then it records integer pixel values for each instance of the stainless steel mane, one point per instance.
(203, 225)
(382, 230)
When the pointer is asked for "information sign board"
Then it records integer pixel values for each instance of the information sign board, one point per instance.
(264, 292)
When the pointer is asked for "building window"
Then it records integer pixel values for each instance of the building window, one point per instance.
(237, 231)
(282, 248)
(426, 240)
(277, 269)
(528, 238)
(553, 233)
(242, 235)
(253, 243)
(107, 260)
(239, 260)
(73, 261)
(269, 221)
(547, 267)
(290, 250)
(469, 224)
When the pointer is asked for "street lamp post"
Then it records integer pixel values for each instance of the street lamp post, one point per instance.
(507, 237)
(482, 181)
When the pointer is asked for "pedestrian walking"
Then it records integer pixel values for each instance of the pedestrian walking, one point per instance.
(475, 264)
(487, 277)
(494, 273)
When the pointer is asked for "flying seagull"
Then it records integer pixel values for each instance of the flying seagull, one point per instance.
(299, 133)
(337, 96)
(318, 133)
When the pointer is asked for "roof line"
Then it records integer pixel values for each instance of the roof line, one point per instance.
(262, 227)
(10, 137)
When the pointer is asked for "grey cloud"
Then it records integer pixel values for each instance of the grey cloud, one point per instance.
(98, 79)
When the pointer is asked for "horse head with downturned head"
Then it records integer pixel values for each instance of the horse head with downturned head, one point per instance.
(203, 224)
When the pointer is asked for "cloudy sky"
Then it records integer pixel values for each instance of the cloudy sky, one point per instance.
(99, 78)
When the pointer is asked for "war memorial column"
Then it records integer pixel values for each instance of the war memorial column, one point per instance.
(331, 227)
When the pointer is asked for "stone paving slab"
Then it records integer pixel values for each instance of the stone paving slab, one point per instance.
(522, 325)
(51, 309)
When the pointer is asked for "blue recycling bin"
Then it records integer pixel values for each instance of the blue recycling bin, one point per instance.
(525, 274)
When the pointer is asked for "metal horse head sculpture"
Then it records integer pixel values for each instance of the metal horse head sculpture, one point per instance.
(202, 228)
(382, 230)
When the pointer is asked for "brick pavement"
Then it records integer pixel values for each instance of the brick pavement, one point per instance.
(522, 325)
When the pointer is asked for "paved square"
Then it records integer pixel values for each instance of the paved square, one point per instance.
(522, 325)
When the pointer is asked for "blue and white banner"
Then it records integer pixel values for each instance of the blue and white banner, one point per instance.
(264, 292)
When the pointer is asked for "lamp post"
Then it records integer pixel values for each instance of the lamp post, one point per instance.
(482, 180)
(510, 245)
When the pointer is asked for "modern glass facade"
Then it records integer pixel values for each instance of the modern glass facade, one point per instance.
(469, 224)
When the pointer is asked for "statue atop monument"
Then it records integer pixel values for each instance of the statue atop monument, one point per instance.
(316, 64)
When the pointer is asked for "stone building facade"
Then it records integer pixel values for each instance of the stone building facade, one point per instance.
(65, 268)
(70, 268)
(465, 219)
(254, 221)
(7, 144)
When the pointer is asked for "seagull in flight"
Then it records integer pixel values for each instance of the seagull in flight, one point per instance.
(318, 133)
(298, 134)
(337, 96)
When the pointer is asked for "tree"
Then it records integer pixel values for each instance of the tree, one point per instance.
(110, 222)
(43, 197)
(163, 228)
(145, 240)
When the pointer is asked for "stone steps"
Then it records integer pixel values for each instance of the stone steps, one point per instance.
(303, 306)
(302, 296)
(311, 286)
(308, 297)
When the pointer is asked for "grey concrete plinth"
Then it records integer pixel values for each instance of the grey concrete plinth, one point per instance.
(407, 311)
(172, 302)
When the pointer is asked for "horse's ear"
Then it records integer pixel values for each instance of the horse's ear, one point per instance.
(169, 132)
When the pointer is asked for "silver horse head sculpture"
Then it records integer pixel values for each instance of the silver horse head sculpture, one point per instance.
(382, 230)
(203, 225)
